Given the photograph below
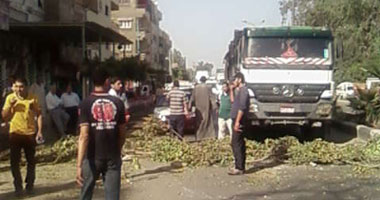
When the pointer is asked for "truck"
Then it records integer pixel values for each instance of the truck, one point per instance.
(289, 75)
(200, 73)
(220, 74)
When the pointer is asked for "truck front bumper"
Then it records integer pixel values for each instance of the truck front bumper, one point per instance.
(297, 112)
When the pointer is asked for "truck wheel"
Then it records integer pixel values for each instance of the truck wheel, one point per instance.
(326, 130)
(309, 133)
(306, 133)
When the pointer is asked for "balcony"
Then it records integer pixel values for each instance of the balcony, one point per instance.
(102, 20)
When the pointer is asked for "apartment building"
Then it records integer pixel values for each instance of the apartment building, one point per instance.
(56, 38)
(139, 21)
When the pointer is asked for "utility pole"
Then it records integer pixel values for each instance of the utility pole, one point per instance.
(170, 63)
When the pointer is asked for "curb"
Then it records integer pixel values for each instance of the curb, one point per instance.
(366, 133)
(363, 132)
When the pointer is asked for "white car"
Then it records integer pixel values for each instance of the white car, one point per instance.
(345, 90)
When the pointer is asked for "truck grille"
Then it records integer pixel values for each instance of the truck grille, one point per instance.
(311, 93)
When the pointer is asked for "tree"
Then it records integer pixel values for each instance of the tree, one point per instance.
(204, 66)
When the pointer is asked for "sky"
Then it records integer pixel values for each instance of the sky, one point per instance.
(202, 29)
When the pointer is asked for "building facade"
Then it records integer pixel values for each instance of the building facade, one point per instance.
(139, 21)
(55, 39)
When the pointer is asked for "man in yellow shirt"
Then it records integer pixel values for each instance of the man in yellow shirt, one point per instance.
(21, 108)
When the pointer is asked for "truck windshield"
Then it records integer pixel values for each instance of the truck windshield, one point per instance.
(288, 51)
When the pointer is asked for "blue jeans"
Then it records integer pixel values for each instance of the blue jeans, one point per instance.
(110, 171)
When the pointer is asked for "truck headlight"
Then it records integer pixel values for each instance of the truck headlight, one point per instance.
(327, 94)
(253, 108)
(324, 109)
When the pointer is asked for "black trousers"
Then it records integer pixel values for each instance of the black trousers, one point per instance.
(177, 123)
(238, 145)
(72, 124)
(28, 144)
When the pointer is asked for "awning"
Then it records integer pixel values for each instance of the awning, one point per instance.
(67, 31)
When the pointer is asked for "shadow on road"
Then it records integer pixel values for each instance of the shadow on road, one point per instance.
(169, 168)
(38, 191)
(339, 133)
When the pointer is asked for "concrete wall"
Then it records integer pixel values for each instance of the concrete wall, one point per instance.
(26, 11)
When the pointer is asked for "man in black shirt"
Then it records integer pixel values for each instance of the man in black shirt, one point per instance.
(239, 114)
(102, 125)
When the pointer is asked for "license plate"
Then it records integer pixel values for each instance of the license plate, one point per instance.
(287, 110)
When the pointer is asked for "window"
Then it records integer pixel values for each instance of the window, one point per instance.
(106, 11)
(126, 23)
(39, 4)
(124, 1)
(128, 47)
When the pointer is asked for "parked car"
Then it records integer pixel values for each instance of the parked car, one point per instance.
(345, 90)
(162, 112)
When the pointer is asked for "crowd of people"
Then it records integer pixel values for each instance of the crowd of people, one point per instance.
(100, 120)
(217, 116)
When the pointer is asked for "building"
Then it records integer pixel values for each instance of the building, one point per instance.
(57, 38)
(139, 21)
(165, 44)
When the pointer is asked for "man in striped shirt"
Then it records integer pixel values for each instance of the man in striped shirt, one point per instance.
(178, 108)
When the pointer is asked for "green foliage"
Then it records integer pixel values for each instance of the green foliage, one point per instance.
(355, 25)
(204, 66)
(127, 68)
(64, 150)
(180, 74)
(165, 148)
(369, 102)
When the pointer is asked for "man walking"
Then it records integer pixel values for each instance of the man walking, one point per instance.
(178, 109)
(20, 109)
(71, 102)
(224, 117)
(56, 112)
(239, 114)
(116, 91)
(102, 126)
(202, 98)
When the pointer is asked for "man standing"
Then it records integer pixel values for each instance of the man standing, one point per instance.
(116, 91)
(202, 98)
(239, 114)
(224, 121)
(57, 114)
(102, 127)
(178, 109)
(38, 89)
(20, 109)
(71, 102)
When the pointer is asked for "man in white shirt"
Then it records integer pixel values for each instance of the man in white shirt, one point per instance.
(116, 90)
(71, 102)
(57, 114)
(38, 88)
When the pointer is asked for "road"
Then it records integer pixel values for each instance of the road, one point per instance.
(158, 181)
